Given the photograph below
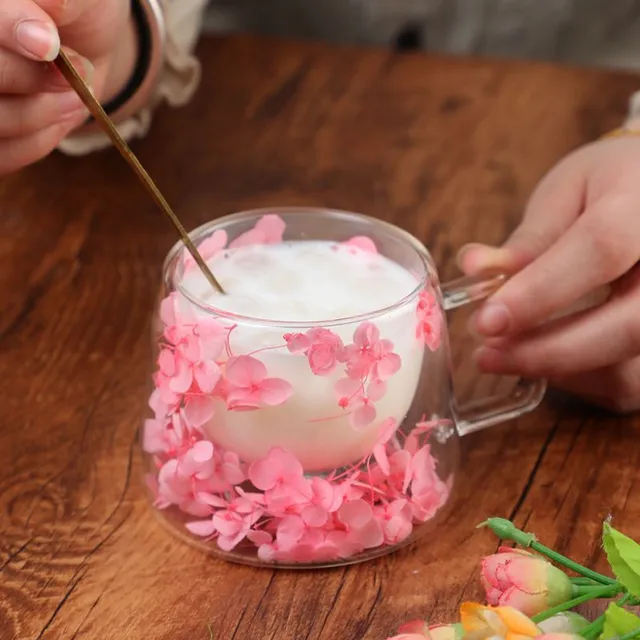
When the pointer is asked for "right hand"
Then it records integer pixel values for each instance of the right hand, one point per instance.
(37, 107)
(569, 313)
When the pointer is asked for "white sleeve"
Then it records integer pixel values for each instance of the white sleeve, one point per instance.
(179, 77)
(634, 107)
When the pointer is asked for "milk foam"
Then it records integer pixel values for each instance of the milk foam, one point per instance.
(302, 281)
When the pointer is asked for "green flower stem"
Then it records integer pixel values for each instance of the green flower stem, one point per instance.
(581, 581)
(593, 630)
(602, 592)
(574, 566)
(632, 634)
(582, 589)
(506, 530)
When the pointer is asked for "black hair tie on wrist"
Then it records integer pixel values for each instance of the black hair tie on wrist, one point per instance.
(143, 62)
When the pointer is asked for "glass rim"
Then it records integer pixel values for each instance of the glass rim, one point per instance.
(171, 262)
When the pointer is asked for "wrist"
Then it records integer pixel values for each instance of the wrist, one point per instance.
(148, 26)
(122, 63)
(132, 72)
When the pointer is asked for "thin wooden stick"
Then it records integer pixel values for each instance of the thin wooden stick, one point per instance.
(95, 108)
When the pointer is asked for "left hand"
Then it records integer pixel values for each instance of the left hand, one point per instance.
(580, 233)
(38, 109)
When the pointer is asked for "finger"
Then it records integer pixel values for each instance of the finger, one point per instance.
(65, 12)
(595, 338)
(553, 207)
(616, 388)
(16, 153)
(593, 299)
(592, 253)
(19, 76)
(21, 116)
(28, 30)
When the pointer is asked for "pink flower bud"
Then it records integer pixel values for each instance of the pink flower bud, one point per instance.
(418, 630)
(524, 581)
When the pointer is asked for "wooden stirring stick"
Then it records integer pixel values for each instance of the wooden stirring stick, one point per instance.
(95, 108)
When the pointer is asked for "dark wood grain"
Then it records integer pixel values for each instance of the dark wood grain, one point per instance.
(449, 150)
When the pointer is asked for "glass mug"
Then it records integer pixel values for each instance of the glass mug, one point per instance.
(323, 442)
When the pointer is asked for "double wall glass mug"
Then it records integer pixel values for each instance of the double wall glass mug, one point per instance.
(306, 417)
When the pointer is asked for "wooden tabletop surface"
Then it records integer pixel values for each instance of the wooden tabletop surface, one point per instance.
(447, 149)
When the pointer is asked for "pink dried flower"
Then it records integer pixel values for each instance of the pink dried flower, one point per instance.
(208, 248)
(362, 528)
(387, 430)
(428, 491)
(280, 475)
(400, 471)
(396, 520)
(197, 461)
(231, 521)
(234, 524)
(196, 337)
(430, 321)
(353, 397)
(180, 489)
(369, 355)
(268, 230)
(168, 435)
(247, 386)
(278, 468)
(322, 347)
(198, 410)
(300, 544)
(363, 243)
(155, 437)
(325, 499)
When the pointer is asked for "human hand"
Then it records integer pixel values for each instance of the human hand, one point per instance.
(580, 233)
(37, 107)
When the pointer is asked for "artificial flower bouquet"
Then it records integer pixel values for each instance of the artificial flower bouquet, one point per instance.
(528, 597)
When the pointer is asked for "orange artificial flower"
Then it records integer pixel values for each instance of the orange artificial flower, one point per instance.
(482, 622)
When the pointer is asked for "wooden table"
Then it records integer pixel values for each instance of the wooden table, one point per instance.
(449, 150)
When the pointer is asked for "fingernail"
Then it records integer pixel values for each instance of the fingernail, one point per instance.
(496, 342)
(39, 39)
(82, 66)
(464, 250)
(69, 103)
(484, 258)
(492, 319)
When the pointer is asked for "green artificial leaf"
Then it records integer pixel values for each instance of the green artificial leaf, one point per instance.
(624, 557)
(619, 622)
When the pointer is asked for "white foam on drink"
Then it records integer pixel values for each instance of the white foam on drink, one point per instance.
(301, 281)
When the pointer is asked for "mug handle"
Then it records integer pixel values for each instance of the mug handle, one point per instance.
(486, 412)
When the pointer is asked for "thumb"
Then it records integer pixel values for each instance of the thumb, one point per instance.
(553, 207)
(27, 30)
